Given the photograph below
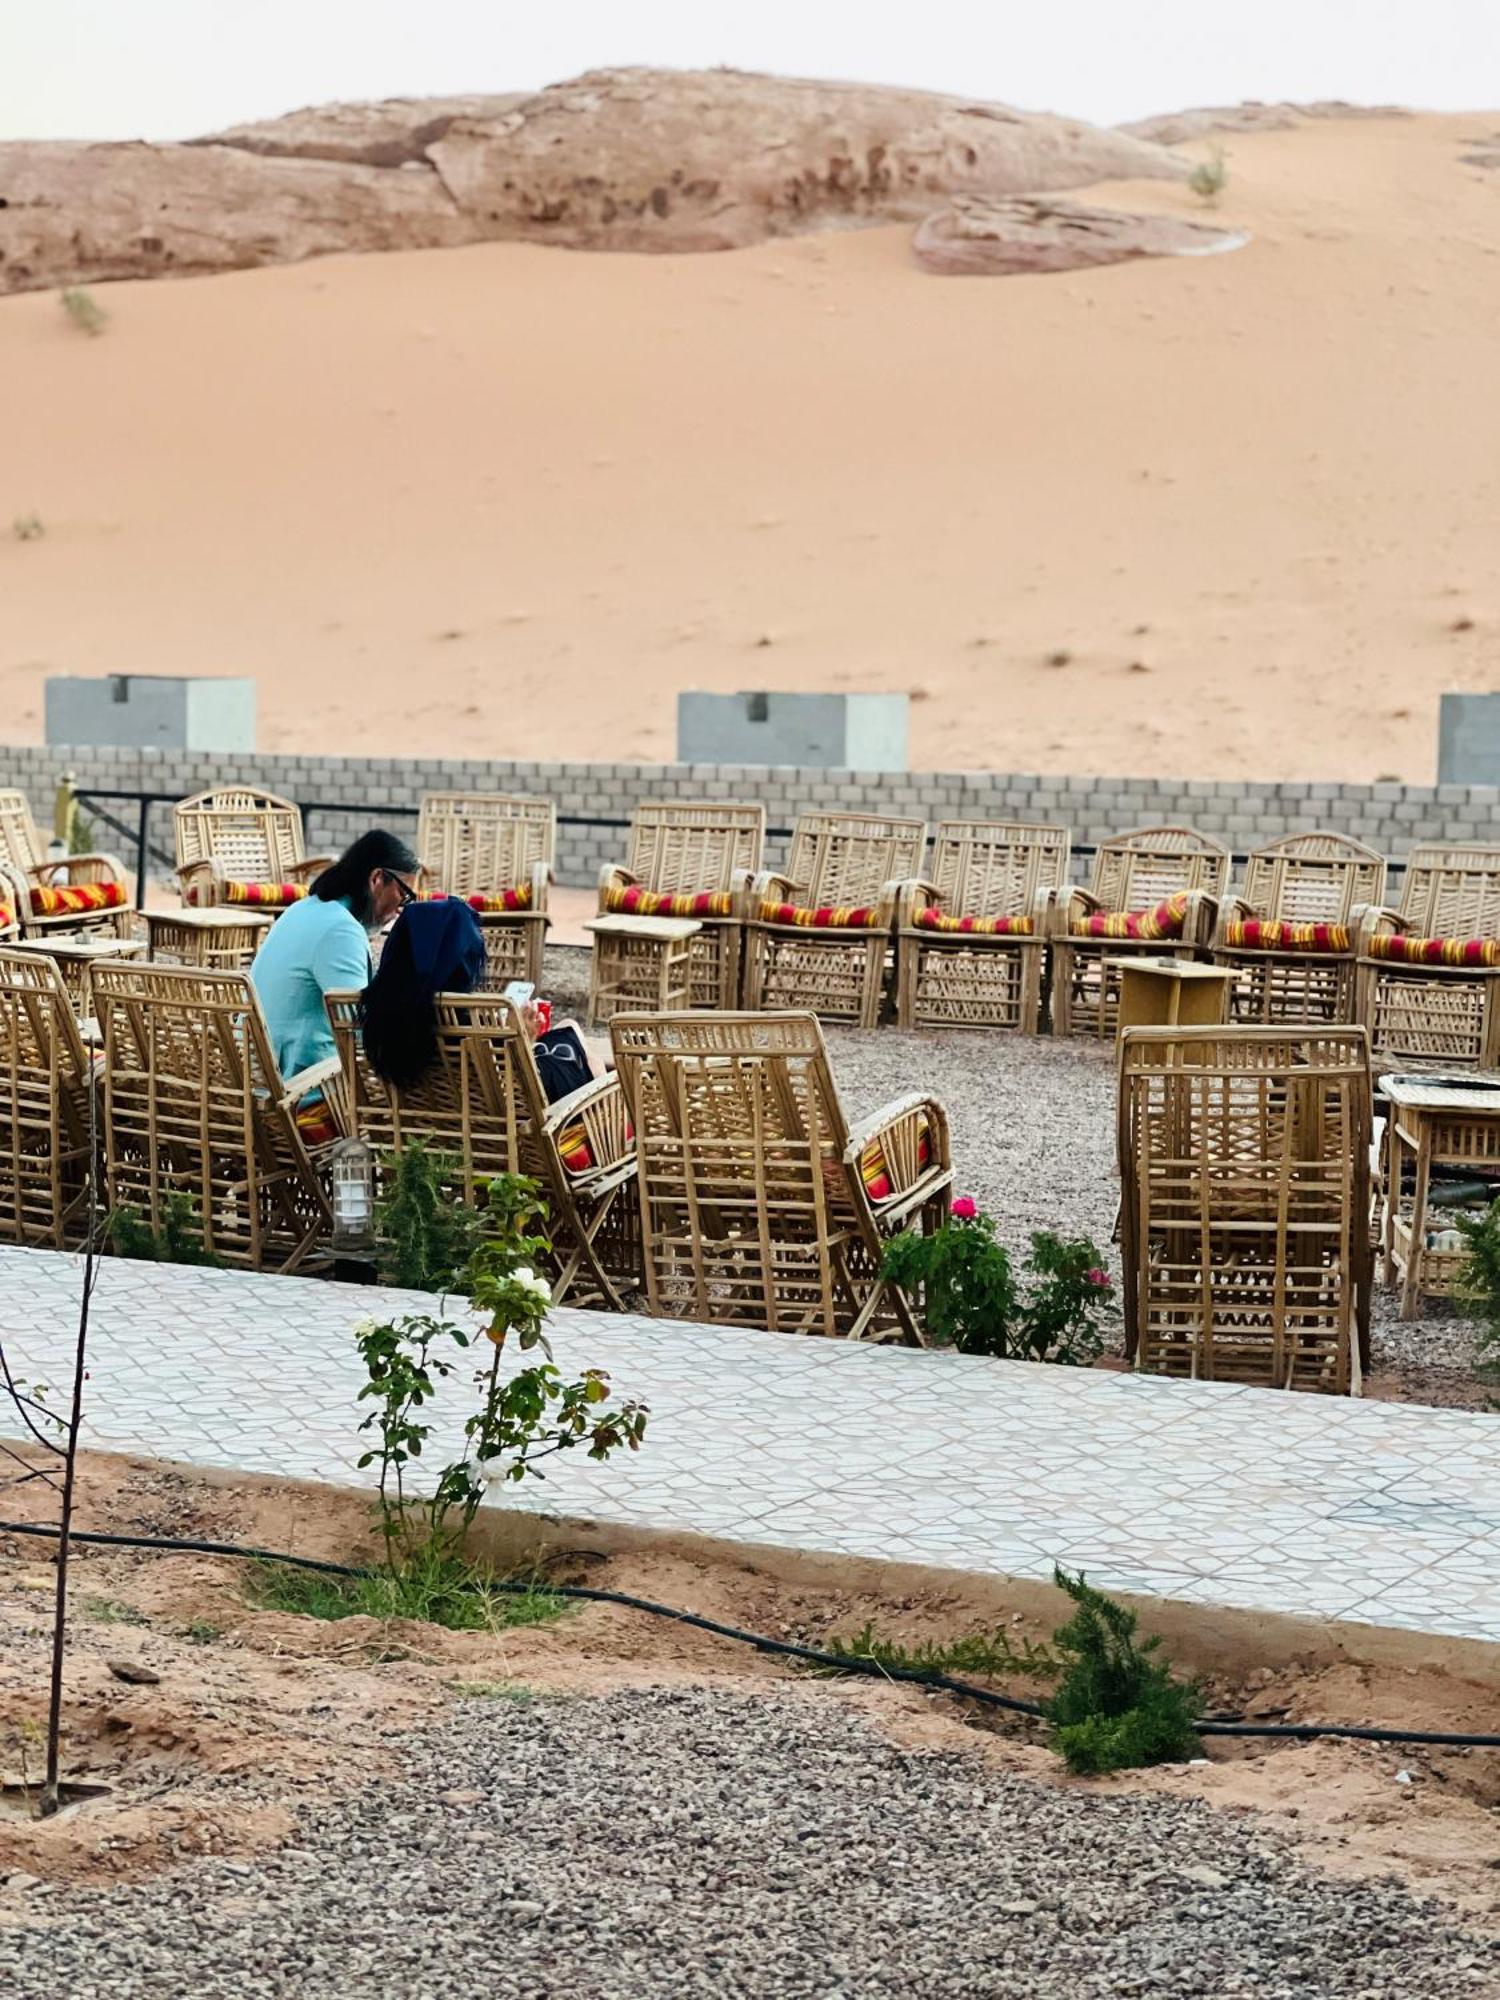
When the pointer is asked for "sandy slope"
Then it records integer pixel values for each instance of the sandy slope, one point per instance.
(510, 500)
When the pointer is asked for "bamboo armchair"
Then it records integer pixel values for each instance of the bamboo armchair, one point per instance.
(74, 892)
(759, 1205)
(242, 845)
(44, 1107)
(483, 1109)
(1425, 984)
(194, 1105)
(1245, 1221)
(496, 852)
(820, 929)
(1292, 931)
(692, 859)
(971, 940)
(1154, 892)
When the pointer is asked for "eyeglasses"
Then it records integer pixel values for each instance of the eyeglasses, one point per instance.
(408, 893)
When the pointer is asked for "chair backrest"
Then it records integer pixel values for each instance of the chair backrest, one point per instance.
(679, 845)
(1452, 891)
(253, 835)
(20, 844)
(44, 1139)
(471, 843)
(848, 858)
(996, 867)
(1136, 871)
(481, 1104)
(1313, 878)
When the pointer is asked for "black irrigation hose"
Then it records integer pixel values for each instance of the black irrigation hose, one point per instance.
(846, 1663)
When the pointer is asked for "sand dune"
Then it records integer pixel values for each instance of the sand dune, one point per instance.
(1220, 516)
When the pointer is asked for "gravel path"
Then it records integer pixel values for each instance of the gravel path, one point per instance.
(690, 1843)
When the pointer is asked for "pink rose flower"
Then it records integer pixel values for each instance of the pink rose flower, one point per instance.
(1099, 1279)
(965, 1208)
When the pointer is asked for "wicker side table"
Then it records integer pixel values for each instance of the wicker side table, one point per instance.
(640, 965)
(75, 953)
(216, 939)
(1432, 1123)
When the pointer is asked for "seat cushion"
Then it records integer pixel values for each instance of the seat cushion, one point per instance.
(939, 920)
(501, 899)
(315, 1122)
(830, 917)
(7, 917)
(631, 900)
(265, 895)
(1165, 921)
(1437, 951)
(1268, 934)
(573, 1148)
(77, 898)
(874, 1168)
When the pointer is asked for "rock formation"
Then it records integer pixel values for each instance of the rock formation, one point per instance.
(1170, 128)
(1035, 233)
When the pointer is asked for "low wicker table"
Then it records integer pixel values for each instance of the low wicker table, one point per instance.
(75, 954)
(1432, 1123)
(640, 965)
(215, 939)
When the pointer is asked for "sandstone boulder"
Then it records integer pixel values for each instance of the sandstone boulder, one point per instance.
(1034, 233)
(1170, 128)
(391, 133)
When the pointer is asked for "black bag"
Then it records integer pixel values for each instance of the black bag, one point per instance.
(562, 1062)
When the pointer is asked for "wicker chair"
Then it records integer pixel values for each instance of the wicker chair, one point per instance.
(820, 929)
(75, 892)
(693, 859)
(970, 942)
(194, 1106)
(1245, 1224)
(482, 1108)
(44, 1108)
(497, 853)
(1154, 893)
(759, 1206)
(1292, 931)
(1427, 982)
(240, 845)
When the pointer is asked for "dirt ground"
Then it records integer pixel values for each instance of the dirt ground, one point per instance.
(251, 1714)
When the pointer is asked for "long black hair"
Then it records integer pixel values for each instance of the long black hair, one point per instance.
(350, 874)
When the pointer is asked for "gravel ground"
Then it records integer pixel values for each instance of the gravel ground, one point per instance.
(1033, 1124)
(691, 1843)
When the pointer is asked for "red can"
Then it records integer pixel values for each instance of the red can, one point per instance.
(543, 1016)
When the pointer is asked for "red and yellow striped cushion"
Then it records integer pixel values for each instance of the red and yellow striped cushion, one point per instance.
(265, 895)
(77, 898)
(830, 917)
(573, 1149)
(1165, 921)
(501, 899)
(939, 920)
(7, 917)
(315, 1122)
(634, 901)
(1437, 951)
(874, 1168)
(1269, 934)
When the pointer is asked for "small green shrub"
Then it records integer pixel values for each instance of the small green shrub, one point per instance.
(110, 1611)
(434, 1585)
(1210, 177)
(83, 309)
(28, 527)
(202, 1632)
(971, 1301)
(426, 1239)
(1116, 1707)
(975, 1653)
(178, 1241)
(1477, 1290)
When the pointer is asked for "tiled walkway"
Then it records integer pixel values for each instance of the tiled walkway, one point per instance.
(1386, 1514)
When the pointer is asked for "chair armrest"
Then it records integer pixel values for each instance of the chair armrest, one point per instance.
(1202, 917)
(207, 877)
(82, 868)
(310, 868)
(539, 876)
(613, 876)
(769, 887)
(898, 1127)
(888, 902)
(600, 1107)
(1069, 904)
(1043, 903)
(1232, 910)
(315, 1077)
(1369, 920)
(915, 894)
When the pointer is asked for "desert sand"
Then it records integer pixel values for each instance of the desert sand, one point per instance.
(1215, 516)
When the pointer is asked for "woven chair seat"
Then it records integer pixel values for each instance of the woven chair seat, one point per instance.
(830, 917)
(1165, 921)
(73, 899)
(265, 895)
(631, 900)
(940, 920)
(1437, 951)
(1269, 934)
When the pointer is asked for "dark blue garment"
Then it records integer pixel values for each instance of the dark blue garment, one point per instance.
(434, 948)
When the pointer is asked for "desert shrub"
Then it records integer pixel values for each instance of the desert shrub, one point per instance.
(1116, 1706)
(179, 1240)
(426, 1238)
(1210, 177)
(28, 527)
(971, 1653)
(1477, 1290)
(972, 1301)
(83, 309)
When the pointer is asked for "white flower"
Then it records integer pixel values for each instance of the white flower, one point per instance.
(364, 1329)
(488, 1470)
(528, 1280)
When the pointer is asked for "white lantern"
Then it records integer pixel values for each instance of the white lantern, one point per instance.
(352, 1164)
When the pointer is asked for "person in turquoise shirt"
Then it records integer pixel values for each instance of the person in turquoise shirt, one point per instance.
(322, 945)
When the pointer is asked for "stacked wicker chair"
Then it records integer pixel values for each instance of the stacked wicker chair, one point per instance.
(44, 1109)
(759, 1206)
(692, 859)
(1292, 931)
(971, 940)
(1245, 1219)
(1427, 986)
(820, 932)
(483, 1110)
(239, 845)
(74, 892)
(496, 852)
(195, 1106)
(1154, 893)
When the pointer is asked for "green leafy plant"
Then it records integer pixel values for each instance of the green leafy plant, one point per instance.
(426, 1239)
(1116, 1706)
(975, 1653)
(83, 309)
(435, 1585)
(1210, 177)
(28, 527)
(971, 1299)
(1477, 1288)
(110, 1611)
(179, 1240)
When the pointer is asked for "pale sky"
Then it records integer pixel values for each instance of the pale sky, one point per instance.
(160, 69)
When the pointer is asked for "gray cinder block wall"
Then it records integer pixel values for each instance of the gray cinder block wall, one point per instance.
(355, 792)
